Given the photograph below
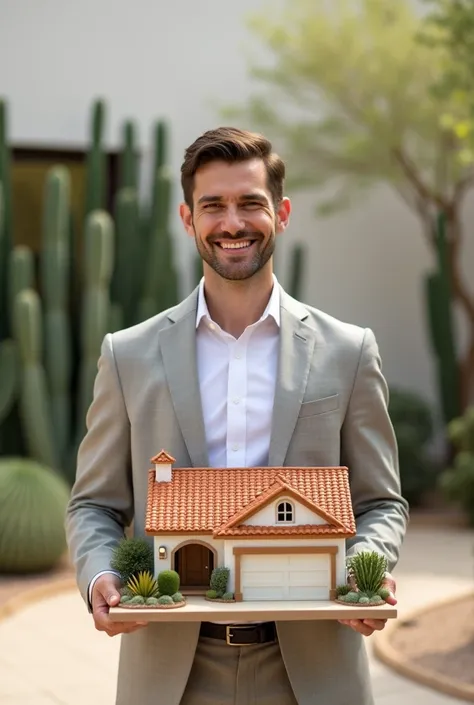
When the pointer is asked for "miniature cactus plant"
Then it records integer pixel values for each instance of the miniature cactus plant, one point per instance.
(165, 600)
(219, 579)
(132, 556)
(366, 580)
(143, 584)
(168, 582)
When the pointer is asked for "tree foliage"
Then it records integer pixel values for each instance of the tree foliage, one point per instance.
(347, 94)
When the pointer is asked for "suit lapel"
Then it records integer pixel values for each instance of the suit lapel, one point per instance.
(178, 349)
(297, 341)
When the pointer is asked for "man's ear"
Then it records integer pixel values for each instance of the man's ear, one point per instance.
(283, 215)
(187, 218)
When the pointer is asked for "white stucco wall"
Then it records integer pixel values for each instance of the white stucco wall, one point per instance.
(179, 61)
(267, 515)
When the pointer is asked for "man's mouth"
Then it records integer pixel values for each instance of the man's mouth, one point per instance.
(241, 245)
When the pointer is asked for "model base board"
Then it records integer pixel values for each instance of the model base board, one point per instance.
(198, 609)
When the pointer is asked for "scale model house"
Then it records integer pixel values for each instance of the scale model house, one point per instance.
(280, 531)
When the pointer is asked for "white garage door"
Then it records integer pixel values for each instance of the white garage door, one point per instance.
(299, 576)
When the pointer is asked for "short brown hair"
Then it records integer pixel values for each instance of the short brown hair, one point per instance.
(232, 145)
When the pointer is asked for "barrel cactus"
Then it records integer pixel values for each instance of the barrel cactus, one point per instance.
(33, 502)
(168, 582)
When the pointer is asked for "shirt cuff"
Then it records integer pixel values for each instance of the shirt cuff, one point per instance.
(93, 581)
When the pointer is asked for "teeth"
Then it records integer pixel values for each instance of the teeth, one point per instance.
(235, 245)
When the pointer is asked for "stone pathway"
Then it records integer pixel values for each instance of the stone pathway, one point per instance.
(50, 653)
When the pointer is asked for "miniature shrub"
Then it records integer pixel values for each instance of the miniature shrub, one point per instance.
(219, 578)
(228, 596)
(351, 597)
(177, 597)
(367, 568)
(376, 600)
(168, 582)
(125, 598)
(132, 556)
(165, 600)
(342, 590)
(211, 594)
(151, 601)
(143, 584)
(137, 600)
(364, 600)
(384, 593)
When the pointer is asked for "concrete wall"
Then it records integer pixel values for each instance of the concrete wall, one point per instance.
(179, 60)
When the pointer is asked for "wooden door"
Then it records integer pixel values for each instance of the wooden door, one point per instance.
(195, 565)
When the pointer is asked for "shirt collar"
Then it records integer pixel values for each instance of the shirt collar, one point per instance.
(272, 308)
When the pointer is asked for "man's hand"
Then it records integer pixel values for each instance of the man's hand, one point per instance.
(105, 594)
(367, 627)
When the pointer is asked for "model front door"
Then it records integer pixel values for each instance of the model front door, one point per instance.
(194, 563)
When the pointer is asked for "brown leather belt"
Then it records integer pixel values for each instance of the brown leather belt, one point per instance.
(240, 634)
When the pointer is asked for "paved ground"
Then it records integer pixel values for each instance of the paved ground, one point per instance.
(50, 654)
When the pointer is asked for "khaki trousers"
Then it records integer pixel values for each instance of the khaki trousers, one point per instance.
(237, 675)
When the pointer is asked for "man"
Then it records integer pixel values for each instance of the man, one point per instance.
(238, 374)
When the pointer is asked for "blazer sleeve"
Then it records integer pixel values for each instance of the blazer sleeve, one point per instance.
(369, 449)
(101, 502)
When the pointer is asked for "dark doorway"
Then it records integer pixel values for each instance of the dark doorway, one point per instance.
(194, 563)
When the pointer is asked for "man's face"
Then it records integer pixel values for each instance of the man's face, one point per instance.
(234, 221)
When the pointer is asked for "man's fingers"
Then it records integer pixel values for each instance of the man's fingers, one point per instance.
(366, 627)
(391, 585)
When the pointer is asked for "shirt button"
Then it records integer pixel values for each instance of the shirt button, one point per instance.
(238, 356)
(235, 446)
(237, 400)
(212, 326)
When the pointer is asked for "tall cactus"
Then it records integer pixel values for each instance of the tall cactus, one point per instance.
(159, 270)
(441, 327)
(126, 276)
(9, 377)
(129, 158)
(55, 260)
(96, 181)
(295, 286)
(6, 231)
(35, 409)
(98, 267)
(21, 274)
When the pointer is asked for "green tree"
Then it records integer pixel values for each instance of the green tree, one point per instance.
(348, 95)
(449, 27)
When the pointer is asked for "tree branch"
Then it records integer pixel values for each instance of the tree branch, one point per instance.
(410, 172)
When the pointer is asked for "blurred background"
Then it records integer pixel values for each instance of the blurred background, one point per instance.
(371, 104)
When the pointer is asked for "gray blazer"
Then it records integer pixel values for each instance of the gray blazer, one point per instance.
(330, 409)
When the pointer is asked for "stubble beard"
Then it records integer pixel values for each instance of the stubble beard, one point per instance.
(237, 271)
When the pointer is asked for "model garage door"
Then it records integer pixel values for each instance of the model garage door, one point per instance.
(299, 576)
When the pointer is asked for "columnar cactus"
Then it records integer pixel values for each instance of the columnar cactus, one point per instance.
(95, 314)
(9, 377)
(21, 274)
(6, 232)
(96, 161)
(35, 409)
(129, 158)
(126, 276)
(55, 260)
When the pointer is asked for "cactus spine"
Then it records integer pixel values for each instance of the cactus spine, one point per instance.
(98, 267)
(34, 404)
(441, 328)
(54, 269)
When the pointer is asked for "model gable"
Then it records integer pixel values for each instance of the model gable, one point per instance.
(285, 510)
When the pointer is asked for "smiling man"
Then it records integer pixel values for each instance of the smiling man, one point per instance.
(237, 375)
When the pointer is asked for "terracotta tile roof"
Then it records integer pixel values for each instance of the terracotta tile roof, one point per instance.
(217, 501)
(163, 457)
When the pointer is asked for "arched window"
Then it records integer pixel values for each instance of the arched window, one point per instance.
(285, 513)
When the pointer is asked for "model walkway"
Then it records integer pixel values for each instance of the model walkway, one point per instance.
(50, 653)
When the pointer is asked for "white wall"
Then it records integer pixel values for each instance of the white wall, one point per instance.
(177, 60)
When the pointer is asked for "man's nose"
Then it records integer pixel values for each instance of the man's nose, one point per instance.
(233, 221)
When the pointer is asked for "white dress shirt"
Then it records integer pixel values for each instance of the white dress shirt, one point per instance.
(237, 383)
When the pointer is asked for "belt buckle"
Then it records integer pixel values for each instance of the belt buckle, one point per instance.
(228, 636)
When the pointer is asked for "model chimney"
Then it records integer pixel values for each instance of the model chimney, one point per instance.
(162, 463)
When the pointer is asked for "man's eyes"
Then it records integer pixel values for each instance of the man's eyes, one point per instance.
(246, 204)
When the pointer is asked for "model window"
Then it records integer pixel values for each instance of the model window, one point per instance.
(285, 513)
